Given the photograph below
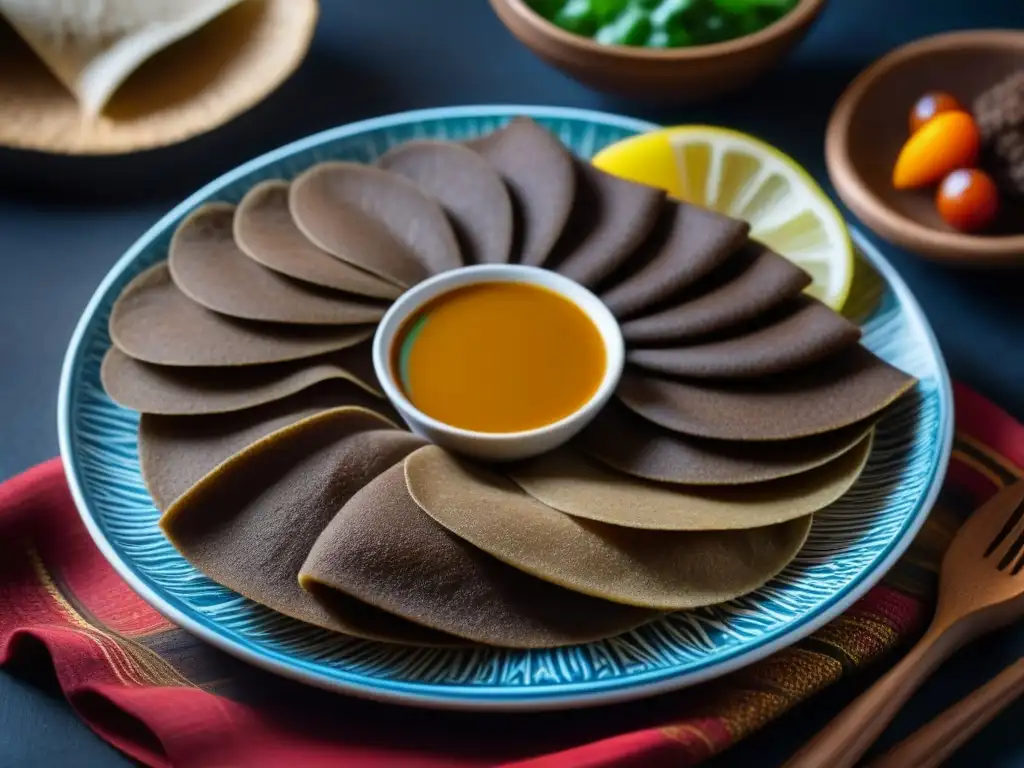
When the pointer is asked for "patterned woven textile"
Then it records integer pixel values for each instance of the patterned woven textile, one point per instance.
(167, 699)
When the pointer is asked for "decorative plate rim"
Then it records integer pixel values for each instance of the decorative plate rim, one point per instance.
(490, 698)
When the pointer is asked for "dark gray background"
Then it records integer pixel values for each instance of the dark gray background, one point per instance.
(64, 222)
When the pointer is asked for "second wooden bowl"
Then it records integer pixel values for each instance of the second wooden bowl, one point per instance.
(869, 126)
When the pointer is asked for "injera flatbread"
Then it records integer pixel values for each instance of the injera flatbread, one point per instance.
(688, 243)
(383, 549)
(178, 391)
(265, 232)
(468, 189)
(849, 387)
(233, 63)
(349, 234)
(249, 525)
(667, 570)
(610, 218)
(176, 451)
(155, 322)
(802, 332)
(541, 178)
(332, 203)
(571, 483)
(208, 267)
(755, 281)
(629, 443)
(93, 49)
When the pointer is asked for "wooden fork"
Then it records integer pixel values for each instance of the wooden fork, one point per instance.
(981, 588)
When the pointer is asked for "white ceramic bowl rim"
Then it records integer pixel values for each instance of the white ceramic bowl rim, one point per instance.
(416, 297)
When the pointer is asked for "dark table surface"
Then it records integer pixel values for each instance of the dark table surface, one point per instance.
(64, 222)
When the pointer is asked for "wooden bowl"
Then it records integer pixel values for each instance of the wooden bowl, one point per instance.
(869, 126)
(677, 75)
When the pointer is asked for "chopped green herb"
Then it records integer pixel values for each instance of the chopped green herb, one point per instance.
(663, 23)
(607, 10)
(631, 27)
(547, 8)
(677, 14)
(577, 16)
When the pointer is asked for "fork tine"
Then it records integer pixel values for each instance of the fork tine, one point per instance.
(1011, 552)
(1016, 569)
(987, 525)
(1007, 543)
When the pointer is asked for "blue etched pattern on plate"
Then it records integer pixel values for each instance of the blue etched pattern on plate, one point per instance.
(847, 541)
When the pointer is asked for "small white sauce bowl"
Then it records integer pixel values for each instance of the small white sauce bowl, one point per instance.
(497, 446)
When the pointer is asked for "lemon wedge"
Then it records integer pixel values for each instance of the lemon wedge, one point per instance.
(744, 177)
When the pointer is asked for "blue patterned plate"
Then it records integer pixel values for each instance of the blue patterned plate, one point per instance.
(851, 545)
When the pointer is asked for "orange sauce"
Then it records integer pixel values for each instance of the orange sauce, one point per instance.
(499, 357)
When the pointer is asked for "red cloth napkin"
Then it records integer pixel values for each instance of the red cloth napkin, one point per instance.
(167, 699)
